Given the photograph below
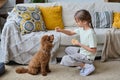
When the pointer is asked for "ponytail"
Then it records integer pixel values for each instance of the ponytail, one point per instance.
(91, 24)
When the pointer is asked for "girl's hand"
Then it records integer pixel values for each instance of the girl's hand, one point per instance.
(57, 29)
(75, 42)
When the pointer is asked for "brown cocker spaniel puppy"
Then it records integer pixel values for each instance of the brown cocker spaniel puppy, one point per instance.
(40, 61)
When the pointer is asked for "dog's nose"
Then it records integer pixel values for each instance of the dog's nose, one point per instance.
(52, 35)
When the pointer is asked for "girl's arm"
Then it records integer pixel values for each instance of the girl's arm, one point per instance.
(68, 32)
(93, 50)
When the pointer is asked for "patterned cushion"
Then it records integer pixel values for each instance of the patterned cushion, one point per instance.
(52, 16)
(116, 20)
(29, 19)
(102, 19)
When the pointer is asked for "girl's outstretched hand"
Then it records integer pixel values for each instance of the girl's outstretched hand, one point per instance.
(58, 29)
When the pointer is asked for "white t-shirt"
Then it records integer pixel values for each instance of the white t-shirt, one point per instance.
(88, 38)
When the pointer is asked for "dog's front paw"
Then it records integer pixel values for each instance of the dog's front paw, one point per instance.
(48, 71)
(44, 74)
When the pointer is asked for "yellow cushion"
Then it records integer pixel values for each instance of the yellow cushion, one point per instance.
(29, 19)
(52, 16)
(116, 20)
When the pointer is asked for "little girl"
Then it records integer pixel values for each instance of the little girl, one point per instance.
(84, 55)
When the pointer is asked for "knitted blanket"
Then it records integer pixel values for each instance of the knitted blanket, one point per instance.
(20, 48)
(111, 49)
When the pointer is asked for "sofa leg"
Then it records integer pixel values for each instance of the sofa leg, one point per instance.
(97, 57)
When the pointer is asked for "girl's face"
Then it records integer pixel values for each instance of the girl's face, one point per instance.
(80, 23)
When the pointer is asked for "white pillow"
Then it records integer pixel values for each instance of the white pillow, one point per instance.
(70, 8)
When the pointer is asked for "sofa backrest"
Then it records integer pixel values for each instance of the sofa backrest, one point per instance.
(35, 4)
(107, 6)
(69, 9)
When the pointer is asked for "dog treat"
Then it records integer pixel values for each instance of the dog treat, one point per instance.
(74, 41)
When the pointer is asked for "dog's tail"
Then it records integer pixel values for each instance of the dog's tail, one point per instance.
(21, 70)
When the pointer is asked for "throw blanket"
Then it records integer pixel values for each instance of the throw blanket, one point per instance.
(111, 49)
(20, 48)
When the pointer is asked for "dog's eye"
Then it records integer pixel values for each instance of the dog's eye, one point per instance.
(48, 38)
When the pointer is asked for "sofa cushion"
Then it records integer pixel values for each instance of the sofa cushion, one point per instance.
(102, 19)
(116, 20)
(100, 33)
(52, 17)
(65, 39)
(29, 19)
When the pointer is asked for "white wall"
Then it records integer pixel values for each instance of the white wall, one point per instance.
(75, 0)
(10, 3)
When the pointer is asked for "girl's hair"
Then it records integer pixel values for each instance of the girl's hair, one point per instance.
(83, 15)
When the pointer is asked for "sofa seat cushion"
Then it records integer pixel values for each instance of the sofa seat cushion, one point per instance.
(66, 40)
(61, 51)
(101, 34)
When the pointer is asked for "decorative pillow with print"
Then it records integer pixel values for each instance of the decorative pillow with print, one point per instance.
(29, 19)
(102, 19)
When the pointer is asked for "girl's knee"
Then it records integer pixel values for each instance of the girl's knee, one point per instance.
(64, 57)
(67, 49)
(66, 61)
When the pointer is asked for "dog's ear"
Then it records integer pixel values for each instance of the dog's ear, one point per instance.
(44, 38)
(51, 38)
